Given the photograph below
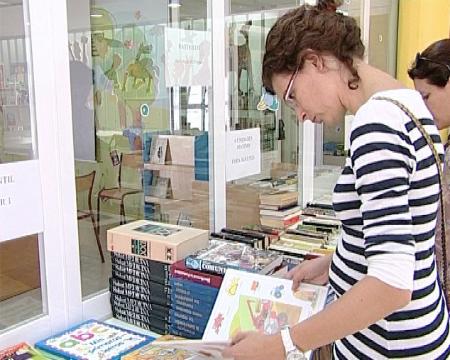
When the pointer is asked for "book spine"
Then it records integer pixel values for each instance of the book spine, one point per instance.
(205, 265)
(199, 278)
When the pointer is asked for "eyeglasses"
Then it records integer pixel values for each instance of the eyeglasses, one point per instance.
(420, 58)
(287, 94)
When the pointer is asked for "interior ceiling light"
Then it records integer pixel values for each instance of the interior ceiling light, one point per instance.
(96, 15)
(174, 3)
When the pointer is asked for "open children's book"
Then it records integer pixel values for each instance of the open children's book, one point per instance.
(253, 302)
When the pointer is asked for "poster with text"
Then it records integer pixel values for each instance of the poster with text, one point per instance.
(187, 57)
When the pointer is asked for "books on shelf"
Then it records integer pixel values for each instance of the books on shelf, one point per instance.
(283, 212)
(280, 222)
(223, 255)
(156, 241)
(279, 198)
(92, 340)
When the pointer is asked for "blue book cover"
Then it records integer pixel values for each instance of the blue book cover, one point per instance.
(93, 340)
(193, 288)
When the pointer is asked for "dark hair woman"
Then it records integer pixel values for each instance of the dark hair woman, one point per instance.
(389, 302)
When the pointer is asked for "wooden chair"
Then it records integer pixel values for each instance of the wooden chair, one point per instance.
(85, 183)
(118, 193)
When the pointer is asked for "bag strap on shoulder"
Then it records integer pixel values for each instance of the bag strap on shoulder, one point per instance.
(444, 269)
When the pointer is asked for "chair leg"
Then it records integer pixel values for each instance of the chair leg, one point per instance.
(97, 237)
(98, 213)
(122, 213)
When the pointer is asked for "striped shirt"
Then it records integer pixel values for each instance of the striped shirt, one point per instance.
(387, 199)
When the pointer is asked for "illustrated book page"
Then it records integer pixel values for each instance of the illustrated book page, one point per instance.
(253, 302)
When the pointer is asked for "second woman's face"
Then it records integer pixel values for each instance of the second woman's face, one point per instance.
(437, 100)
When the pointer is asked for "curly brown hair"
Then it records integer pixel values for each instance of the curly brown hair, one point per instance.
(433, 64)
(319, 28)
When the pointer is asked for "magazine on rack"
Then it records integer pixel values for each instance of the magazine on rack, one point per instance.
(254, 302)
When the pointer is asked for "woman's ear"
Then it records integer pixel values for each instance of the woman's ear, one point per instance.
(315, 60)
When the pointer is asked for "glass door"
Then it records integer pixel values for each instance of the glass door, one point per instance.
(39, 282)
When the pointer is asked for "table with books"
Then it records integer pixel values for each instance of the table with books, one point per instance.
(180, 293)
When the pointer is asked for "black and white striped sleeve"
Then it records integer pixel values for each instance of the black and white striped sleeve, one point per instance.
(383, 161)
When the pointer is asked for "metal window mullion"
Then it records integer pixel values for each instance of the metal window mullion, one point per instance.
(219, 102)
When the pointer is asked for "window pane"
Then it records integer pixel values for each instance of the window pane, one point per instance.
(20, 199)
(248, 25)
(140, 77)
(15, 122)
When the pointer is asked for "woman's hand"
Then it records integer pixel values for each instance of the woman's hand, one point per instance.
(313, 271)
(255, 346)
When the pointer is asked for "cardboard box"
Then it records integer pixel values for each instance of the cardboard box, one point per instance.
(156, 241)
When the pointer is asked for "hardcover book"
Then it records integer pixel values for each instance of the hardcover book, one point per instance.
(279, 198)
(223, 255)
(253, 302)
(156, 241)
(180, 271)
(93, 340)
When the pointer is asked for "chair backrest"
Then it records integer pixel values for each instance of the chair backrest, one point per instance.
(85, 183)
(132, 160)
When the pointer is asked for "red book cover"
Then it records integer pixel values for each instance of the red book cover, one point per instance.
(179, 270)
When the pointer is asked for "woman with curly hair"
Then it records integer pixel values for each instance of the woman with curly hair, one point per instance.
(390, 303)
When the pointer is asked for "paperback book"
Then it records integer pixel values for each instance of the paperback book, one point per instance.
(154, 351)
(93, 340)
(223, 255)
(21, 351)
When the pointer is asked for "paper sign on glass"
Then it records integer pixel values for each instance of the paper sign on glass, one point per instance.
(243, 153)
(20, 200)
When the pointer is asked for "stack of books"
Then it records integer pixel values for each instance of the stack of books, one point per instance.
(316, 235)
(255, 239)
(140, 292)
(279, 209)
(141, 254)
(193, 296)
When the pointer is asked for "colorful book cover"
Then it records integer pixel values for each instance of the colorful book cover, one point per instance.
(21, 351)
(223, 255)
(153, 351)
(93, 340)
(253, 302)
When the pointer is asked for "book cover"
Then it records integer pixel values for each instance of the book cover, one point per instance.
(223, 255)
(158, 150)
(253, 302)
(179, 270)
(206, 349)
(93, 340)
(156, 241)
(21, 351)
(153, 351)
